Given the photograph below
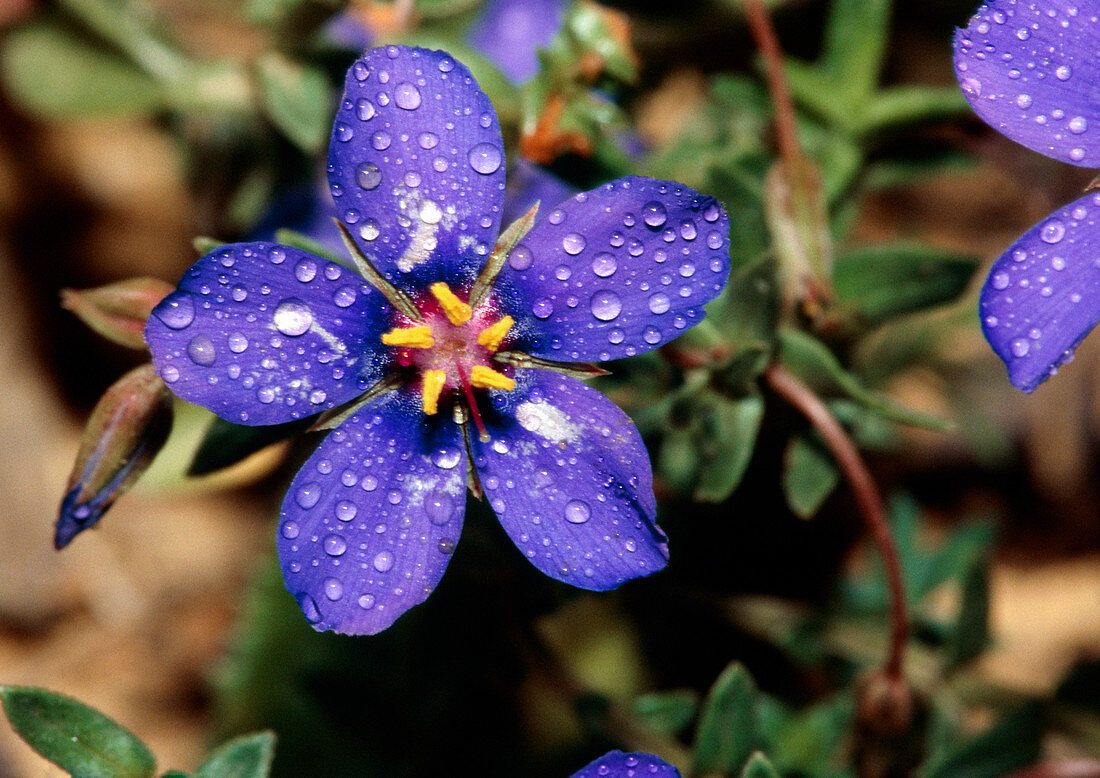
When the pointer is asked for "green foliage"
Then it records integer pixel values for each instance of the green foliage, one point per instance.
(47, 66)
(809, 476)
(666, 713)
(76, 738)
(248, 756)
(1011, 743)
(296, 98)
(727, 736)
(225, 443)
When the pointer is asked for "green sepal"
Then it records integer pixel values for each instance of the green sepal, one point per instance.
(970, 635)
(248, 756)
(78, 739)
(1011, 743)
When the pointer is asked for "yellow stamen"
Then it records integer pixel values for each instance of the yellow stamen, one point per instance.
(457, 311)
(491, 336)
(486, 378)
(419, 336)
(432, 388)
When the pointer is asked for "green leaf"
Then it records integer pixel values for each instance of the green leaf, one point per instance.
(811, 360)
(910, 105)
(225, 443)
(666, 713)
(1011, 743)
(809, 476)
(248, 756)
(758, 766)
(75, 737)
(729, 430)
(748, 311)
(971, 633)
(677, 461)
(880, 282)
(856, 33)
(297, 98)
(727, 730)
(175, 774)
(204, 244)
(57, 72)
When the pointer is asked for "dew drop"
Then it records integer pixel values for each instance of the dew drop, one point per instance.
(1000, 280)
(520, 258)
(364, 109)
(659, 303)
(305, 271)
(308, 495)
(654, 214)
(309, 608)
(368, 176)
(335, 545)
(177, 311)
(542, 308)
(1020, 347)
(293, 317)
(366, 602)
(573, 243)
(439, 507)
(427, 140)
(201, 350)
(484, 158)
(603, 264)
(577, 512)
(606, 305)
(1052, 231)
(446, 458)
(651, 335)
(383, 561)
(290, 530)
(407, 96)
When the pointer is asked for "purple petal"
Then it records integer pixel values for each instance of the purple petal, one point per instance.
(529, 184)
(369, 524)
(1030, 70)
(416, 165)
(1043, 294)
(263, 334)
(616, 764)
(616, 271)
(509, 32)
(569, 477)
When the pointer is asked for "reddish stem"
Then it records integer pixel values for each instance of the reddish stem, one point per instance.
(483, 434)
(848, 458)
(786, 128)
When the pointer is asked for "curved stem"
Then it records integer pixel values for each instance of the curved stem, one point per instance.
(851, 463)
(763, 33)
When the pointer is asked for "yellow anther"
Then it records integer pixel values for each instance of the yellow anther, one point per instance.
(491, 336)
(486, 378)
(432, 388)
(419, 336)
(457, 311)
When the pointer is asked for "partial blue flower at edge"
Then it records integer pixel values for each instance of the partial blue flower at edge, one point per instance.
(262, 334)
(616, 764)
(1029, 70)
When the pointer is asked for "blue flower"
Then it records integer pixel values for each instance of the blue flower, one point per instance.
(1030, 71)
(616, 764)
(431, 368)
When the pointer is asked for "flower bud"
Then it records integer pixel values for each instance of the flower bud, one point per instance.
(888, 727)
(126, 430)
(117, 311)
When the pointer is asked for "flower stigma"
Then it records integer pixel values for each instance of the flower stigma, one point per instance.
(452, 350)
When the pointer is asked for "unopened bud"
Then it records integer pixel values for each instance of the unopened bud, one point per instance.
(795, 209)
(117, 311)
(126, 430)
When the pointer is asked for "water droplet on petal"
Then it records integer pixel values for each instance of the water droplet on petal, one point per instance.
(305, 271)
(364, 109)
(439, 507)
(573, 243)
(484, 158)
(334, 588)
(309, 608)
(654, 214)
(520, 258)
(368, 176)
(335, 545)
(606, 305)
(604, 264)
(542, 308)
(1000, 280)
(577, 512)
(308, 495)
(1052, 231)
(383, 561)
(201, 350)
(446, 458)
(293, 317)
(177, 310)
(659, 302)
(406, 96)
(1020, 347)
